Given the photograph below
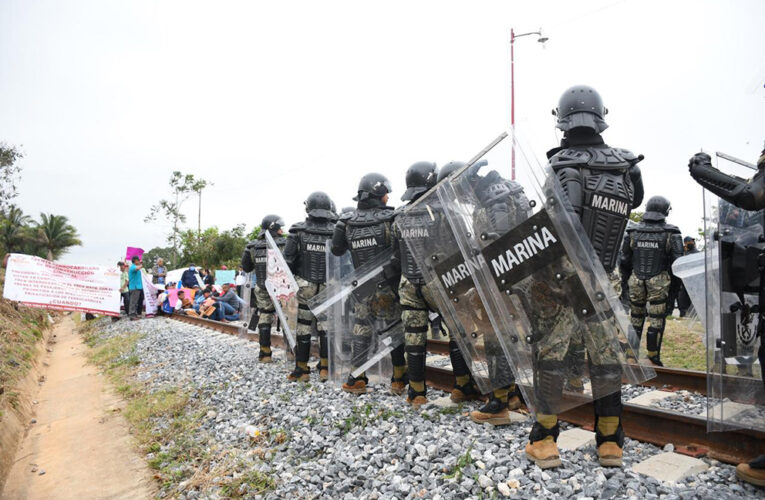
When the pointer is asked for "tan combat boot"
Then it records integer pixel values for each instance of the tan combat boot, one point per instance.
(610, 454)
(544, 453)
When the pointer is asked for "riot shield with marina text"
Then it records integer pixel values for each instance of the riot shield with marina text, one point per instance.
(282, 288)
(732, 251)
(550, 302)
(425, 230)
(363, 319)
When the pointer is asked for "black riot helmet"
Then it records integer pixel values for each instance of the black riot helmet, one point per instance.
(449, 168)
(319, 205)
(373, 185)
(657, 209)
(581, 106)
(272, 223)
(420, 177)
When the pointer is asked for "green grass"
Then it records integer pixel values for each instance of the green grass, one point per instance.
(178, 451)
(462, 462)
(21, 330)
(363, 415)
(682, 346)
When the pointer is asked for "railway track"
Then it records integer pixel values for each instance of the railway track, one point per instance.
(688, 433)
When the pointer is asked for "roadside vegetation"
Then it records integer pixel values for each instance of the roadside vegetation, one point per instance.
(21, 328)
(167, 425)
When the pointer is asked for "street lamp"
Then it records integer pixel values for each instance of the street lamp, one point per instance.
(513, 36)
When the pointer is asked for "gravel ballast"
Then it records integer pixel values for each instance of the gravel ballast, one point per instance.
(317, 442)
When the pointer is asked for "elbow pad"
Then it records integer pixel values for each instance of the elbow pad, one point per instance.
(637, 183)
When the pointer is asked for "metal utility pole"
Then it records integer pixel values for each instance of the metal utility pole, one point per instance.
(513, 36)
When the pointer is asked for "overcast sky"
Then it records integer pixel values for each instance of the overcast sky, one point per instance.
(273, 100)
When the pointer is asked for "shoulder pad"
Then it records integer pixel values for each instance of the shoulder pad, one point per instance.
(326, 227)
(346, 216)
(569, 157)
(252, 244)
(626, 154)
(670, 228)
(297, 227)
(607, 158)
(645, 227)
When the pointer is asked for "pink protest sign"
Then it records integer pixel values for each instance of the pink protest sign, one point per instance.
(172, 296)
(131, 251)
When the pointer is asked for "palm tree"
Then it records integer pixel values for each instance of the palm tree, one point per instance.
(13, 222)
(56, 235)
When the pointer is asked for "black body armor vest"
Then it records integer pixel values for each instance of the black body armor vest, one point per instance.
(312, 244)
(368, 233)
(597, 183)
(421, 226)
(652, 248)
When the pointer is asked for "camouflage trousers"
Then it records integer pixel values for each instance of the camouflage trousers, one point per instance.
(560, 356)
(654, 292)
(561, 342)
(416, 302)
(305, 319)
(377, 307)
(265, 306)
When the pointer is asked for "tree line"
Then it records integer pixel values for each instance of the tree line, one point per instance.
(210, 247)
(48, 237)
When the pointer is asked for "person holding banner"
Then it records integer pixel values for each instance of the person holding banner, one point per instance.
(135, 285)
(124, 288)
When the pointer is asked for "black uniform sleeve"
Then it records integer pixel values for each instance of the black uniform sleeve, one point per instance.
(637, 182)
(247, 264)
(625, 264)
(749, 195)
(675, 247)
(291, 252)
(396, 243)
(339, 242)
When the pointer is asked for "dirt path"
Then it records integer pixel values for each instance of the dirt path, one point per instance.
(79, 440)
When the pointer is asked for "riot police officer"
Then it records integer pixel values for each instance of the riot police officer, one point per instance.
(254, 259)
(415, 295)
(647, 255)
(602, 184)
(305, 254)
(748, 194)
(503, 205)
(366, 233)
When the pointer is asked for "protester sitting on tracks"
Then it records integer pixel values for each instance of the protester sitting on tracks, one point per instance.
(201, 297)
(227, 305)
(184, 303)
(135, 285)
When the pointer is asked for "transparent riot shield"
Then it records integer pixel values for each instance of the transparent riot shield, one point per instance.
(690, 270)
(550, 302)
(363, 319)
(425, 229)
(733, 248)
(282, 288)
(247, 308)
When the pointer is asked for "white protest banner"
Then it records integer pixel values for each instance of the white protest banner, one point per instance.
(149, 295)
(37, 282)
